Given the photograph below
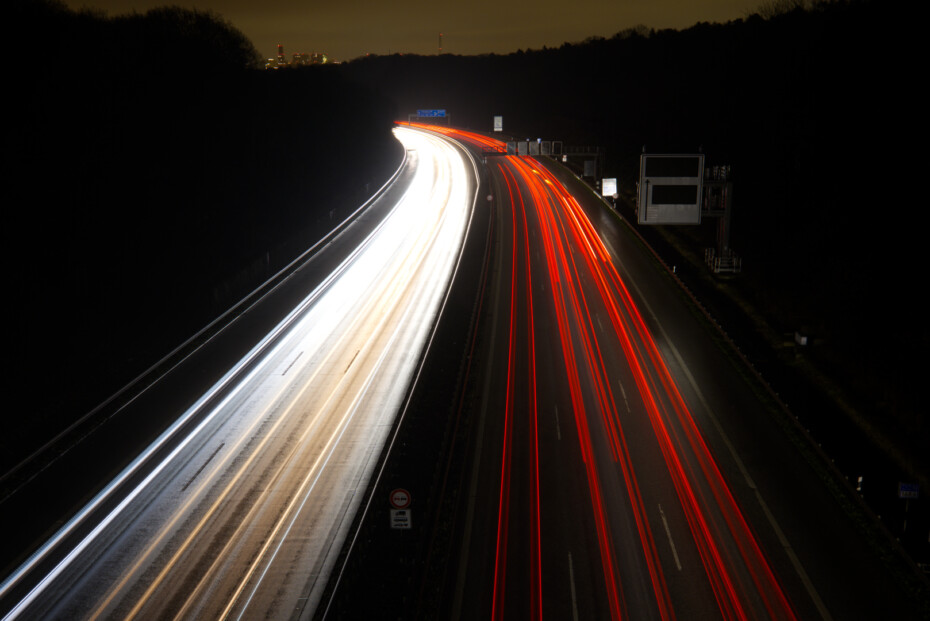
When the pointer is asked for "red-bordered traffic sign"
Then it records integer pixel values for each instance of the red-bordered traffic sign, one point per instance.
(400, 498)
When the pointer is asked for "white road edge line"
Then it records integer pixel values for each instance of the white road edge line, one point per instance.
(795, 561)
(571, 581)
(670, 540)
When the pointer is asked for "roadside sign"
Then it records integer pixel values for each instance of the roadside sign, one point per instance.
(609, 187)
(498, 123)
(431, 113)
(908, 490)
(400, 519)
(670, 188)
(400, 498)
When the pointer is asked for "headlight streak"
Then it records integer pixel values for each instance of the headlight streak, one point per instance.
(737, 570)
(422, 235)
(230, 379)
(68, 528)
(324, 322)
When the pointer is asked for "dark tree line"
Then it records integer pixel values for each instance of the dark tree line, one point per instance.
(156, 177)
(813, 104)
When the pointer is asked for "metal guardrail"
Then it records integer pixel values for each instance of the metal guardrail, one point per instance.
(728, 263)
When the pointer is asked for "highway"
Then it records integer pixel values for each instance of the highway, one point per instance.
(577, 443)
(606, 485)
(244, 515)
(618, 466)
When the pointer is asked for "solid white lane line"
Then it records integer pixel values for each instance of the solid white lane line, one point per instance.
(571, 581)
(623, 392)
(670, 540)
(782, 539)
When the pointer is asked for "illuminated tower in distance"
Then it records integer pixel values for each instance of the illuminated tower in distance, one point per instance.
(440, 43)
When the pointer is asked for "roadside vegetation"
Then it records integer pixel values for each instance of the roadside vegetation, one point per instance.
(811, 104)
(156, 175)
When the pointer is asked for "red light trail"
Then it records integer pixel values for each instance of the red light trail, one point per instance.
(577, 270)
(526, 406)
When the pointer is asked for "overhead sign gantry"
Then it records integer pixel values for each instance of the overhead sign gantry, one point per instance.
(670, 189)
(430, 116)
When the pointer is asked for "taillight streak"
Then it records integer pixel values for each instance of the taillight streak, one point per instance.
(552, 223)
(722, 578)
(520, 255)
(706, 501)
(554, 258)
(503, 514)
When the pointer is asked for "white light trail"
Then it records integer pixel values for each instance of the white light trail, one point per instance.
(317, 404)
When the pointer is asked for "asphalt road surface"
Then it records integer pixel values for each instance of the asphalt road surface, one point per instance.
(622, 465)
(579, 446)
(245, 514)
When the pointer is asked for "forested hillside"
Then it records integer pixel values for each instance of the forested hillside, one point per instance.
(156, 176)
(812, 104)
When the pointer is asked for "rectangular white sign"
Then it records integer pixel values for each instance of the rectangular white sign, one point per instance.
(670, 189)
(400, 519)
(608, 186)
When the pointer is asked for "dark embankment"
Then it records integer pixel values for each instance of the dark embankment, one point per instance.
(813, 105)
(156, 177)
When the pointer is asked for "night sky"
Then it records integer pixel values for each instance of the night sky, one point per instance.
(346, 29)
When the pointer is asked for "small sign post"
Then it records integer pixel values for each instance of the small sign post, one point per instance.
(400, 519)
(400, 511)
(908, 491)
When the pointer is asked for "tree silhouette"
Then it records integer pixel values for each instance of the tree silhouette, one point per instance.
(195, 38)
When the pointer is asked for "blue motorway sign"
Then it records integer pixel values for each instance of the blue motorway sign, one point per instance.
(433, 113)
(908, 490)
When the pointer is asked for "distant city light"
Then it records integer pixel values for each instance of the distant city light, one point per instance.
(298, 59)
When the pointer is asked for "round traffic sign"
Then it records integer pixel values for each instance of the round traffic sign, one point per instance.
(400, 498)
